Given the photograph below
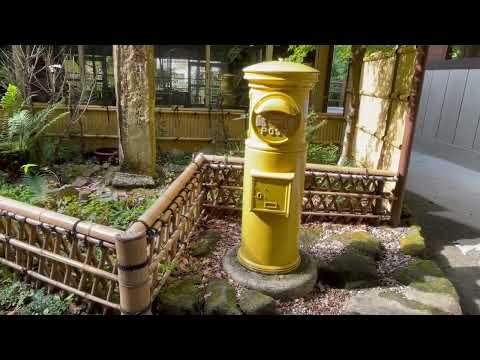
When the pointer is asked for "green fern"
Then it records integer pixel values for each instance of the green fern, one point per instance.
(37, 186)
(11, 102)
(25, 128)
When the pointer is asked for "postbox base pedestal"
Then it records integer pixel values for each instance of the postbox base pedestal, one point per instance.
(293, 285)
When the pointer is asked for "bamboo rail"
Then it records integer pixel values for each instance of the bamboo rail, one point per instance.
(121, 270)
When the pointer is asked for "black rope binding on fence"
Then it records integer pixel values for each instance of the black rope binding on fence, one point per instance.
(150, 230)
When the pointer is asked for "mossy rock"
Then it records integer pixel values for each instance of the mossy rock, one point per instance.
(205, 243)
(413, 243)
(412, 304)
(360, 241)
(253, 302)
(425, 275)
(381, 301)
(220, 299)
(64, 191)
(69, 172)
(181, 298)
(349, 270)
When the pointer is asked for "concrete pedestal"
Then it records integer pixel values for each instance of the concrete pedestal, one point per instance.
(285, 287)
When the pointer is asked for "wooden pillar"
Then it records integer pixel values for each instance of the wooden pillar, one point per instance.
(207, 76)
(81, 64)
(269, 53)
(323, 63)
(353, 103)
(134, 72)
(104, 80)
(409, 130)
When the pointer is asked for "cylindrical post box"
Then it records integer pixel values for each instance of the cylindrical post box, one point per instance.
(274, 165)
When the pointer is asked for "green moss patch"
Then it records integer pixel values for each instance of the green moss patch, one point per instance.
(425, 275)
(412, 304)
(220, 299)
(350, 270)
(413, 242)
(181, 298)
(360, 241)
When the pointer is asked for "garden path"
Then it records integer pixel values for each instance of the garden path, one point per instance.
(445, 199)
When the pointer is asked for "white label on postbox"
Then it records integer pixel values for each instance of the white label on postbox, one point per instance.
(260, 121)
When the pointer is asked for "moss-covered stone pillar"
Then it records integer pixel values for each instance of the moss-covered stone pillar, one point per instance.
(134, 71)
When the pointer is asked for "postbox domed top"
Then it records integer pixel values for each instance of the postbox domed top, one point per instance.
(270, 67)
(281, 73)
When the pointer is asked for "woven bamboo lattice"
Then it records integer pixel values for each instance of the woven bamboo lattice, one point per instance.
(172, 230)
(60, 251)
(331, 193)
(125, 271)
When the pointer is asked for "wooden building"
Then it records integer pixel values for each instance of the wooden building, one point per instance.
(448, 121)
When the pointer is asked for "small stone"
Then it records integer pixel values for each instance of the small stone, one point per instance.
(126, 180)
(349, 270)
(253, 302)
(220, 299)
(65, 190)
(360, 241)
(105, 165)
(92, 170)
(108, 176)
(205, 243)
(84, 194)
(80, 181)
(181, 298)
(413, 243)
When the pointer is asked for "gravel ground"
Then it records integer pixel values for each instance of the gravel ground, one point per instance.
(324, 300)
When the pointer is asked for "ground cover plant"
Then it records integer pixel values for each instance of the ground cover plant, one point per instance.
(20, 298)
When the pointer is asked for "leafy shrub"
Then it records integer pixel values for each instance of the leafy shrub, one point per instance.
(42, 304)
(19, 192)
(327, 154)
(319, 153)
(11, 102)
(119, 214)
(20, 296)
(24, 128)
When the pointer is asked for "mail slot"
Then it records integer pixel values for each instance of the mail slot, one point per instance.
(272, 192)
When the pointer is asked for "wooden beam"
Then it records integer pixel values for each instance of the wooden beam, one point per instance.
(414, 100)
(207, 76)
(323, 63)
(81, 64)
(269, 53)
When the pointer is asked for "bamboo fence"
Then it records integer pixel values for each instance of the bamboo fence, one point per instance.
(187, 129)
(124, 271)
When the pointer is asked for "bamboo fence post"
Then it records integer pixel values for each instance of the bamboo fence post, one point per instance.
(409, 131)
(133, 273)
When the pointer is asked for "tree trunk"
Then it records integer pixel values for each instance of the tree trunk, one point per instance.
(21, 63)
(81, 64)
(353, 104)
(134, 72)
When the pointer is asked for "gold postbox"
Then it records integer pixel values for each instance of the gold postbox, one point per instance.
(274, 165)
